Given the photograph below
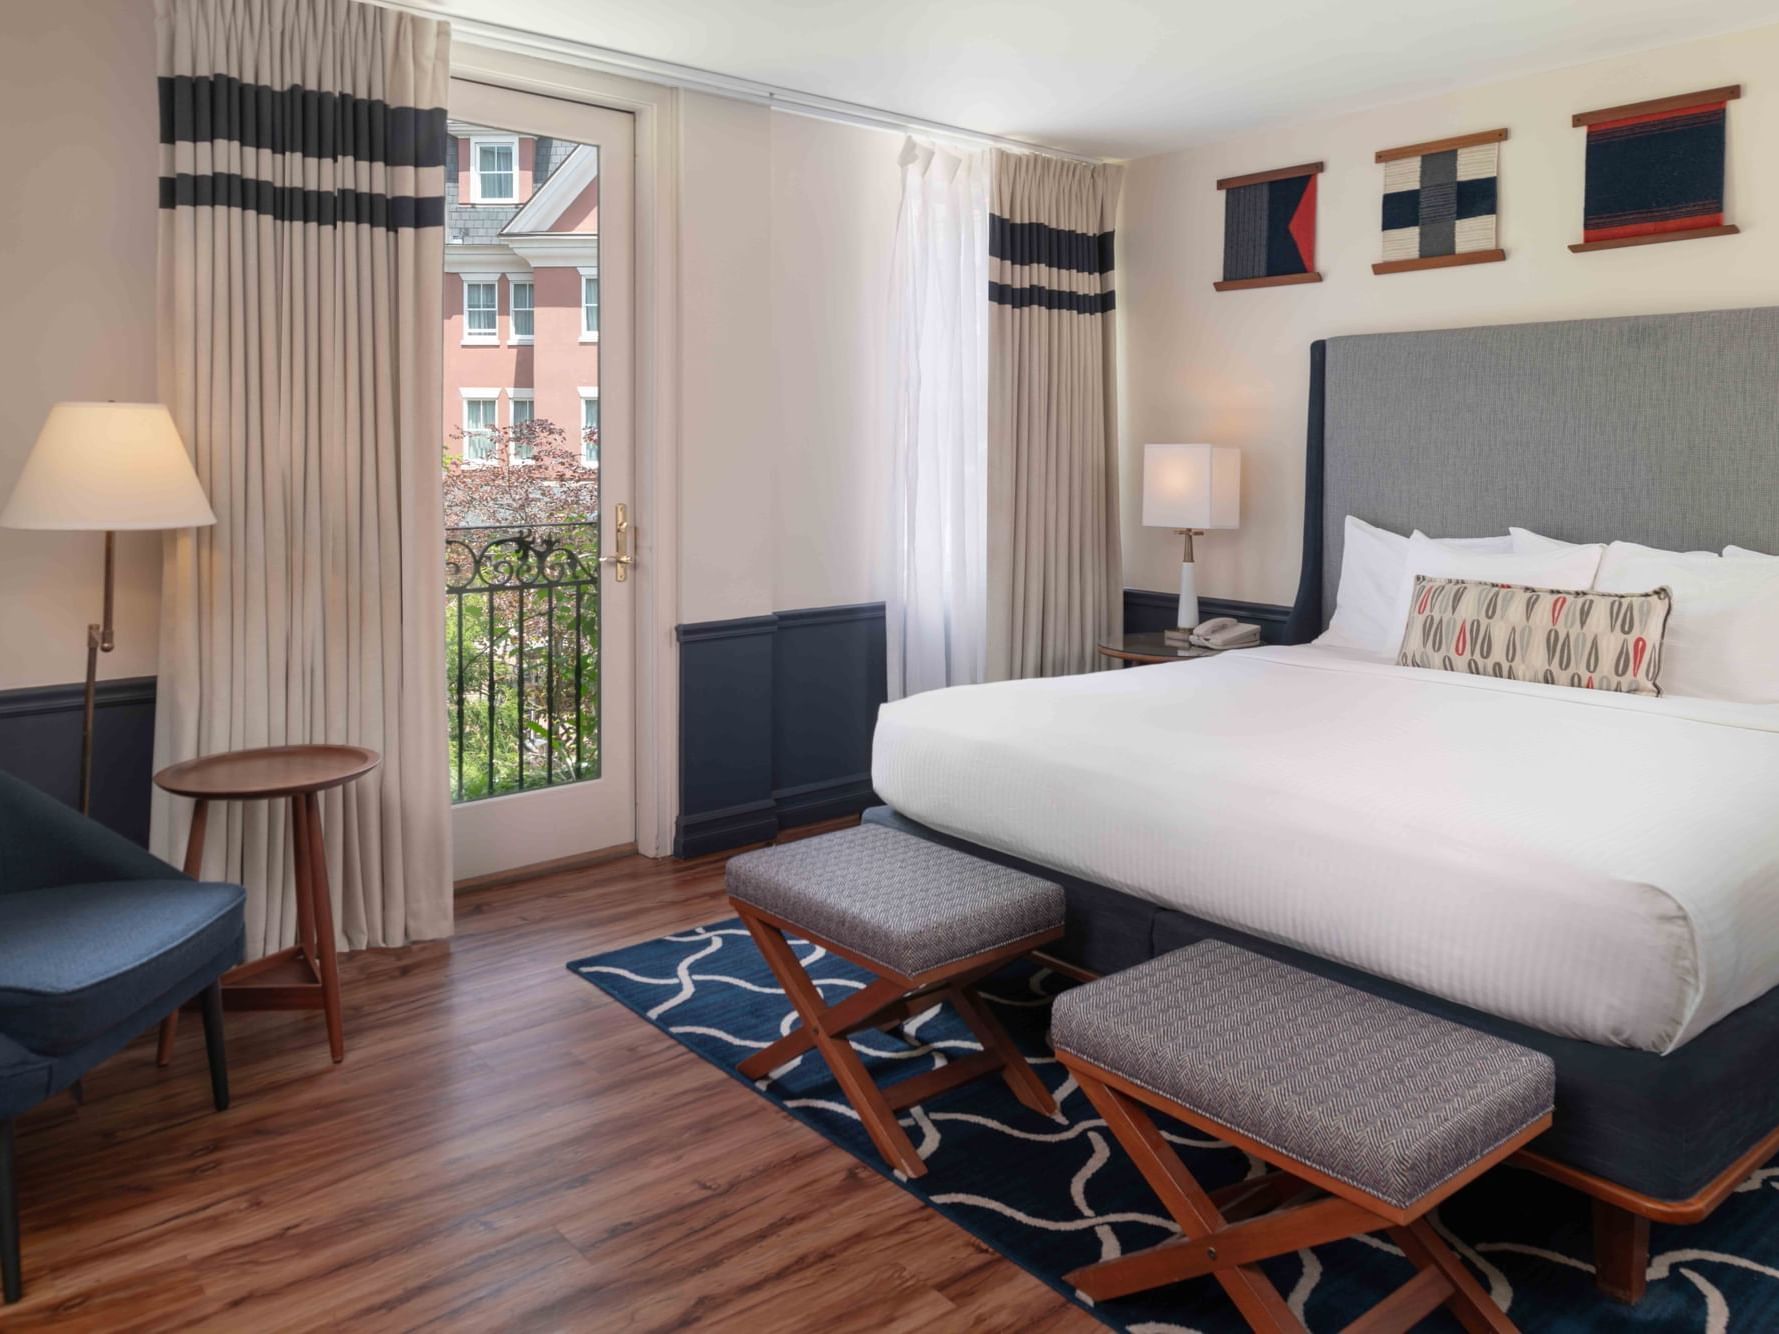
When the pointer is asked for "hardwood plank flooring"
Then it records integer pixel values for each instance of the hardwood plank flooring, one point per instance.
(504, 1147)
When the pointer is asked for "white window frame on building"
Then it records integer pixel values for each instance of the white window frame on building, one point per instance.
(473, 458)
(522, 452)
(477, 195)
(589, 400)
(589, 282)
(477, 337)
(514, 282)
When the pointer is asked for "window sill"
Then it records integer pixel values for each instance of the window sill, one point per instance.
(519, 340)
(481, 340)
(590, 337)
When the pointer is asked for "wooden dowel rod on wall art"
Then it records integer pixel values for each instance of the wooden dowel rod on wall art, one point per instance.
(1441, 145)
(1710, 97)
(1262, 177)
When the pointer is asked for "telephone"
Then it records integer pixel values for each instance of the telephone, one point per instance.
(1223, 632)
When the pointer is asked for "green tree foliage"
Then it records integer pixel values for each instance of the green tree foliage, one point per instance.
(522, 611)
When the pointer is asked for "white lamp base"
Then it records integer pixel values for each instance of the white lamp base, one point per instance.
(1188, 614)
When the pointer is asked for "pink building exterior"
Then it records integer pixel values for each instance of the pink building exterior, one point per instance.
(521, 285)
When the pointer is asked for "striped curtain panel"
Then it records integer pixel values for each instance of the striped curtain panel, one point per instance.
(301, 285)
(1055, 568)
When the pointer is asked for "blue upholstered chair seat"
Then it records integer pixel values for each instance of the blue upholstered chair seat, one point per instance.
(74, 958)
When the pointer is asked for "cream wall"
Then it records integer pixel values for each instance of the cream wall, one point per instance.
(1232, 367)
(786, 230)
(77, 232)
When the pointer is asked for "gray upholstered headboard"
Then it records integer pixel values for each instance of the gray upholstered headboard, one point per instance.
(1661, 429)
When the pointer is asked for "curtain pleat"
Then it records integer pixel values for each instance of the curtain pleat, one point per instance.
(301, 290)
(1054, 567)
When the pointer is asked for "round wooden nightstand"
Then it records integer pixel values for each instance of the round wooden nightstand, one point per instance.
(1148, 646)
(305, 976)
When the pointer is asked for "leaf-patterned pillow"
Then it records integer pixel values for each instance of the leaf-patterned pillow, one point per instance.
(1592, 641)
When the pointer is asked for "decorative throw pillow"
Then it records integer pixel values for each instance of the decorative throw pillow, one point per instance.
(1591, 641)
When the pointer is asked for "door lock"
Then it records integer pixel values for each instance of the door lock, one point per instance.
(623, 560)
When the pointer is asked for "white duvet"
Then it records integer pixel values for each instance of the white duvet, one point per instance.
(1599, 866)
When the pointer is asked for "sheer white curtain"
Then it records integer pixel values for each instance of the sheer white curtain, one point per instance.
(937, 604)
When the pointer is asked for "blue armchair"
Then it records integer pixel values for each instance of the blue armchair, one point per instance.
(99, 941)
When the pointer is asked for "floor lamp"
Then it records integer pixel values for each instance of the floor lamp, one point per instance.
(105, 467)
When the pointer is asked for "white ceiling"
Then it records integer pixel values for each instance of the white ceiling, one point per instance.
(1121, 78)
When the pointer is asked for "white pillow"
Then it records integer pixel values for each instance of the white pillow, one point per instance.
(1524, 539)
(1745, 553)
(1365, 614)
(1723, 634)
(1567, 567)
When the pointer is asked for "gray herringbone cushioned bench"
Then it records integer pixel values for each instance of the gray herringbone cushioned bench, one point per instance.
(1384, 1108)
(929, 921)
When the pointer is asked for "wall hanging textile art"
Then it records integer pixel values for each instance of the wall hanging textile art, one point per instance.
(1441, 203)
(1269, 228)
(1655, 170)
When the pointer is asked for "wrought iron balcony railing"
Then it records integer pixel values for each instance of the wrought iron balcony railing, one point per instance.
(522, 657)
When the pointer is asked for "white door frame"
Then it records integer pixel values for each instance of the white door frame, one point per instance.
(655, 394)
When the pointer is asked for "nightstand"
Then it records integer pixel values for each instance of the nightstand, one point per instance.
(1148, 646)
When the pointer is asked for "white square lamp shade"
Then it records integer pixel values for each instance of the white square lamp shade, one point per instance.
(108, 466)
(1191, 489)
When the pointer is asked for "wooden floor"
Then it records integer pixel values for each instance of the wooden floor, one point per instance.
(504, 1147)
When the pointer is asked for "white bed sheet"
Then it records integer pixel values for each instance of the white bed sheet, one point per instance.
(1600, 866)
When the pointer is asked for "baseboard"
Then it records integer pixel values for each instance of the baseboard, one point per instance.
(718, 831)
(827, 800)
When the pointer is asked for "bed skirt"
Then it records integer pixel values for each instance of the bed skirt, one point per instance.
(1663, 1126)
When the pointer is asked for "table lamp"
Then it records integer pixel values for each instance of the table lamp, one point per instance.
(101, 467)
(1191, 489)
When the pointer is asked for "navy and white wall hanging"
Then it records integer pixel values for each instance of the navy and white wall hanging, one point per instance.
(1269, 228)
(1442, 203)
(1655, 170)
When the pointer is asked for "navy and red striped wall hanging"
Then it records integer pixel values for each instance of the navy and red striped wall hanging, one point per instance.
(1442, 203)
(1269, 228)
(1655, 170)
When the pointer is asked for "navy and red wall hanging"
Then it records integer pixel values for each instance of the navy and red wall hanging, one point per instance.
(1269, 228)
(1655, 170)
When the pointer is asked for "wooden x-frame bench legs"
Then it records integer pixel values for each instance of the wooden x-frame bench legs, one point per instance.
(1224, 1233)
(890, 999)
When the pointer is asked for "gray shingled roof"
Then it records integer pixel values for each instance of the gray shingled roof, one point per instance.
(481, 224)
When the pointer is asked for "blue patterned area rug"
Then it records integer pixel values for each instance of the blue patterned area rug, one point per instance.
(1052, 1196)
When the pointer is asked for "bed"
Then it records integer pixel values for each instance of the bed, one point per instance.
(1594, 876)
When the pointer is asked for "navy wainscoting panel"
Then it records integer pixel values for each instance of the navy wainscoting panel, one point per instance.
(776, 717)
(40, 743)
(1144, 610)
(828, 680)
(725, 735)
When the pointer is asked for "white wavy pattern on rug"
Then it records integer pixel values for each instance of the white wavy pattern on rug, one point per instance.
(718, 956)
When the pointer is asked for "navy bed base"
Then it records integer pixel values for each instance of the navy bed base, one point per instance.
(1662, 1126)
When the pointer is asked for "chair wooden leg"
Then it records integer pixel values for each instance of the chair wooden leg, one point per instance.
(1621, 1252)
(11, 1282)
(866, 1099)
(1465, 1297)
(1181, 1195)
(862, 1009)
(321, 905)
(213, 1046)
(194, 866)
(995, 1039)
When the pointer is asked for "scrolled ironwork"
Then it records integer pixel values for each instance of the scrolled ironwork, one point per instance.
(545, 556)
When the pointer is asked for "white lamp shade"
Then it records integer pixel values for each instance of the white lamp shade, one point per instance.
(1192, 486)
(108, 466)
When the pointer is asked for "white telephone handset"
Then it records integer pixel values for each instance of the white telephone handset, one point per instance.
(1225, 632)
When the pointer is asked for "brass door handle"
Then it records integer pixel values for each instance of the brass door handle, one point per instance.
(623, 560)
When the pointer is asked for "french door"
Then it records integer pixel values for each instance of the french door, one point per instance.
(538, 458)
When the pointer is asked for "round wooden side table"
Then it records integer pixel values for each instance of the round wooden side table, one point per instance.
(306, 976)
